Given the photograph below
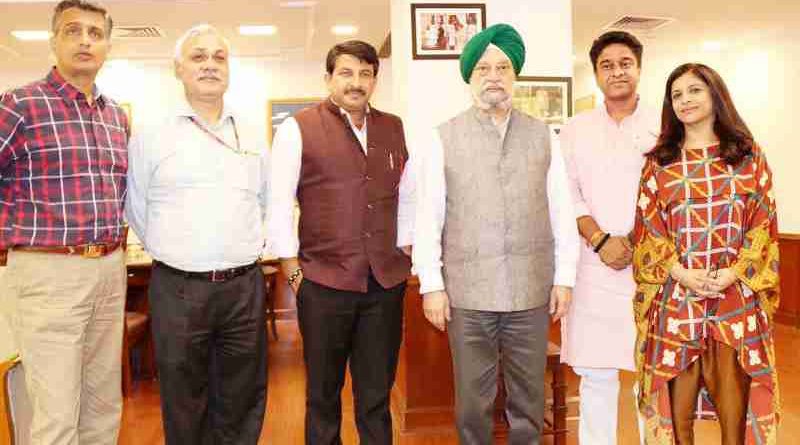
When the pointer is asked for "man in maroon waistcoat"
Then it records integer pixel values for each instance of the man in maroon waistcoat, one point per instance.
(346, 163)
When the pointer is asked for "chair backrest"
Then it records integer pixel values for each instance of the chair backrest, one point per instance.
(15, 407)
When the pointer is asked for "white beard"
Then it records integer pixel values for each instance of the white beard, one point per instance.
(482, 104)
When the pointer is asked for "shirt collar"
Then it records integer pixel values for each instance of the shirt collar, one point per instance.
(69, 91)
(344, 112)
(183, 109)
(348, 119)
(635, 114)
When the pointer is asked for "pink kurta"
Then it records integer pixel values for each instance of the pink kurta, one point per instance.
(604, 162)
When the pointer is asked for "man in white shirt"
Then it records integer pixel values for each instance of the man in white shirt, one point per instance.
(197, 199)
(495, 243)
(347, 165)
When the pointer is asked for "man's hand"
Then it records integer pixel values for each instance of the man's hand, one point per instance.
(296, 285)
(288, 267)
(617, 252)
(437, 308)
(406, 250)
(560, 299)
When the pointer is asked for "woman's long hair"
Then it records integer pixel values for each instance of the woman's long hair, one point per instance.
(735, 139)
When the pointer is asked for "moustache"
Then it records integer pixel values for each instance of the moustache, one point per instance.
(355, 90)
(485, 87)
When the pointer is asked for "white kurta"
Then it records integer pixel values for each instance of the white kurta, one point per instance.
(604, 162)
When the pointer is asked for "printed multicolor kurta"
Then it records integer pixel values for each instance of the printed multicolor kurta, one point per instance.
(706, 214)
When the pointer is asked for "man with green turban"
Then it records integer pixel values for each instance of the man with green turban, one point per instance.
(496, 244)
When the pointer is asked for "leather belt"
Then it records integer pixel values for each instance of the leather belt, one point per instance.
(84, 250)
(215, 276)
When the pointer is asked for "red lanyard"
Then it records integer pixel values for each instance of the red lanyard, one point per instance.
(237, 149)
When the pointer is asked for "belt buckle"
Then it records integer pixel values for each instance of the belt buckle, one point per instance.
(217, 278)
(94, 251)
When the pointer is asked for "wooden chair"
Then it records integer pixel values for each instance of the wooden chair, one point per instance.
(556, 421)
(136, 333)
(15, 407)
(137, 326)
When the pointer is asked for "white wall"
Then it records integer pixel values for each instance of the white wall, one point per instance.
(763, 75)
(428, 92)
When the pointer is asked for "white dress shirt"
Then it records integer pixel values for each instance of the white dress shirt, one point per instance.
(287, 150)
(195, 203)
(431, 207)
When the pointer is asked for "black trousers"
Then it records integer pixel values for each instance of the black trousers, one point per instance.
(364, 328)
(211, 351)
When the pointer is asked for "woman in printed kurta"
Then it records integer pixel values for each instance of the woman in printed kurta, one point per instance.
(706, 267)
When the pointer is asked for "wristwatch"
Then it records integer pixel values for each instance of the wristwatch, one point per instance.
(295, 275)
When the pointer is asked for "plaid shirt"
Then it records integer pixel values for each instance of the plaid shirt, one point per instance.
(63, 164)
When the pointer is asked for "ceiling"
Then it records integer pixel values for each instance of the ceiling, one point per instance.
(304, 32)
(729, 22)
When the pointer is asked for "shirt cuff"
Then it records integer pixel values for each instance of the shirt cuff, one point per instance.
(430, 280)
(564, 277)
(283, 249)
(581, 209)
(405, 238)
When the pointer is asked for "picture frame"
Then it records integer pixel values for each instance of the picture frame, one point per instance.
(548, 99)
(440, 30)
(280, 109)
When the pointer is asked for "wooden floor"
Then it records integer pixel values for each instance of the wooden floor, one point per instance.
(141, 422)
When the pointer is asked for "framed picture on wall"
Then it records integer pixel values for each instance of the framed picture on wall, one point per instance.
(440, 30)
(279, 109)
(548, 99)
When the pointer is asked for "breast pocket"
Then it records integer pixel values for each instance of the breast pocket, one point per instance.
(248, 174)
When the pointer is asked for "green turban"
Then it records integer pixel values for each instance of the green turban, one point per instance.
(501, 35)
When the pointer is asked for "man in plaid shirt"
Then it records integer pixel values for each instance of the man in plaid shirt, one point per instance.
(63, 164)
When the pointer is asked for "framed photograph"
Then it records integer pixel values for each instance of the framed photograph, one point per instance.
(440, 30)
(548, 99)
(279, 109)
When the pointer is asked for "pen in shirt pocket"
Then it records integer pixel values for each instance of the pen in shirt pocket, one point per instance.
(391, 161)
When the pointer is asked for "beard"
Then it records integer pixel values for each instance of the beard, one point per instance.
(488, 100)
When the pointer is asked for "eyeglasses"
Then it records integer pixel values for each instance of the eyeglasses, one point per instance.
(484, 70)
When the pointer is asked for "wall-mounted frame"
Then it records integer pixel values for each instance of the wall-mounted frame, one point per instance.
(279, 109)
(548, 99)
(440, 30)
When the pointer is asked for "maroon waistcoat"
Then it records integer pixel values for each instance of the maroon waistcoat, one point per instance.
(348, 200)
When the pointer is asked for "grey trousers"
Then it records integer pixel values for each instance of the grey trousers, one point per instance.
(478, 340)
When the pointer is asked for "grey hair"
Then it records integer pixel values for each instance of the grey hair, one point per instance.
(195, 31)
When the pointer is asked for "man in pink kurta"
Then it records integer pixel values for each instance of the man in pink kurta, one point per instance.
(604, 153)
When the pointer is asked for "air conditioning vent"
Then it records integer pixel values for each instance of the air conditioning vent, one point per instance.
(137, 32)
(638, 23)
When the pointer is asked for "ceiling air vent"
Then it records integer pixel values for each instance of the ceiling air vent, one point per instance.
(638, 23)
(137, 32)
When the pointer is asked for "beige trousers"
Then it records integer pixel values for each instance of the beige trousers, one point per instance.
(68, 316)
